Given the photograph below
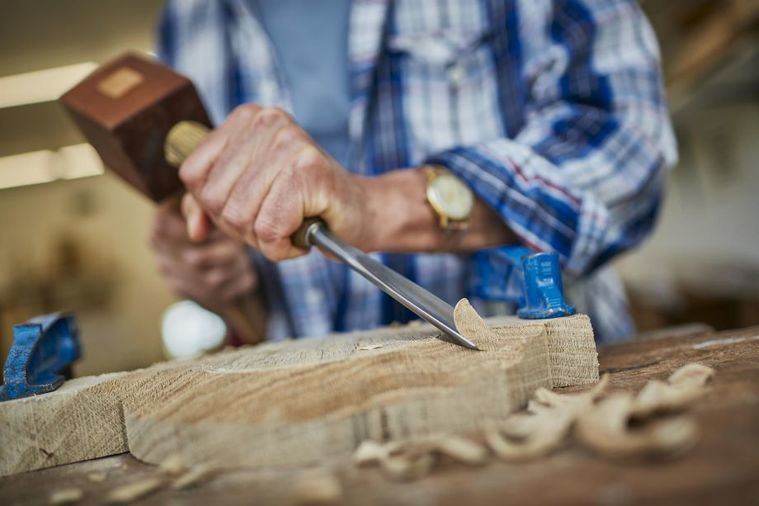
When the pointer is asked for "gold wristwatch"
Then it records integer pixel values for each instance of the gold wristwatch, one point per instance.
(451, 199)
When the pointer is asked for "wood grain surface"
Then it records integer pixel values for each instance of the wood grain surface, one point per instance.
(299, 402)
(721, 469)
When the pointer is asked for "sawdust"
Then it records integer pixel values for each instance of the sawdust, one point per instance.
(66, 496)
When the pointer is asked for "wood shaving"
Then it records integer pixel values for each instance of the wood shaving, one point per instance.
(606, 426)
(694, 374)
(367, 347)
(135, 490)
(369, 453)
(172, 465)
(66, 496)
(317, 487)
(605, 429)
(544, 427)
(460, 449)
(684, 386)
(97, 476)
(408, 460)
(603, 425)
(408, 466)
(194, 476)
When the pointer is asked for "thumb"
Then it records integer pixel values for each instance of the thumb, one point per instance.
(198, 224)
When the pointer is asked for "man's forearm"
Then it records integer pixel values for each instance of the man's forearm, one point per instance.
(402, 220)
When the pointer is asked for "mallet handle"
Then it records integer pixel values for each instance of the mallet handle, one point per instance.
(246, 315)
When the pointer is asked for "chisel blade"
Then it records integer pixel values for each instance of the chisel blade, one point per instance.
(425, 304)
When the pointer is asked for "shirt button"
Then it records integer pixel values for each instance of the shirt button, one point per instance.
(456, 75)
(313, 296)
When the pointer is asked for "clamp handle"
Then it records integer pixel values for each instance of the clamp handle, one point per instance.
(42, 352)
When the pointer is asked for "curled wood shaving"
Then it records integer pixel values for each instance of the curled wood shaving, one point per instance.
(317, 487)
(66, 496)
(134, 490)
(605, 429)
(194, 476)
(683, 387)
(545, 425)
(691, 375)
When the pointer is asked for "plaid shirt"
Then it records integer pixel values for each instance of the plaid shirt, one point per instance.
(552, 112)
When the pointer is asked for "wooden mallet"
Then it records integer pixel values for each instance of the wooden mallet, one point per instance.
(144, 119)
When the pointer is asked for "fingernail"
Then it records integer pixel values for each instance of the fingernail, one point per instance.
(192, 226)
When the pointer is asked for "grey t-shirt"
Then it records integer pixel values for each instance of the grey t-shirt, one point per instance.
(310, 41)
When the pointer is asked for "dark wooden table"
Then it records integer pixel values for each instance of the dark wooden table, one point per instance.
(722, 469)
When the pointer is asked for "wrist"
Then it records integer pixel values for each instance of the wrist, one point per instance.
(398, 217)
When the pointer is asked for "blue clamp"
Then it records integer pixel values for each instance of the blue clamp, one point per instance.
(541, 293)
(543, 288)
(42, 352)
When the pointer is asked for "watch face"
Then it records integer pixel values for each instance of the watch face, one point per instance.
(452, 196)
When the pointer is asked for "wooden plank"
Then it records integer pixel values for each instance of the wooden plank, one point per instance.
(300, 402)
(720, 470)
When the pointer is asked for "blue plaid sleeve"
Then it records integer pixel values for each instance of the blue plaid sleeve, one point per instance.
(584, 174)
(166, 34)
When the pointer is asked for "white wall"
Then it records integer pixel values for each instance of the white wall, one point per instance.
(711, 214)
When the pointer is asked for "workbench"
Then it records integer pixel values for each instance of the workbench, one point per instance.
(722, 469)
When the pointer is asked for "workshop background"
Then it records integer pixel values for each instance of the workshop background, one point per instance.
(74, 237)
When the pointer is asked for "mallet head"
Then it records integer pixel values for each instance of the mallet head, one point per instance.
(125, 109)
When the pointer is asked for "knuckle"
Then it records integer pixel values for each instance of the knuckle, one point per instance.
(269, 116)
(267, 230)
(309, 158)
(286, 136)
(244, 111)
(214, 279)
(188, 173)
(233, 216)
(247, 284)
(212, 200)
(194, 259)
